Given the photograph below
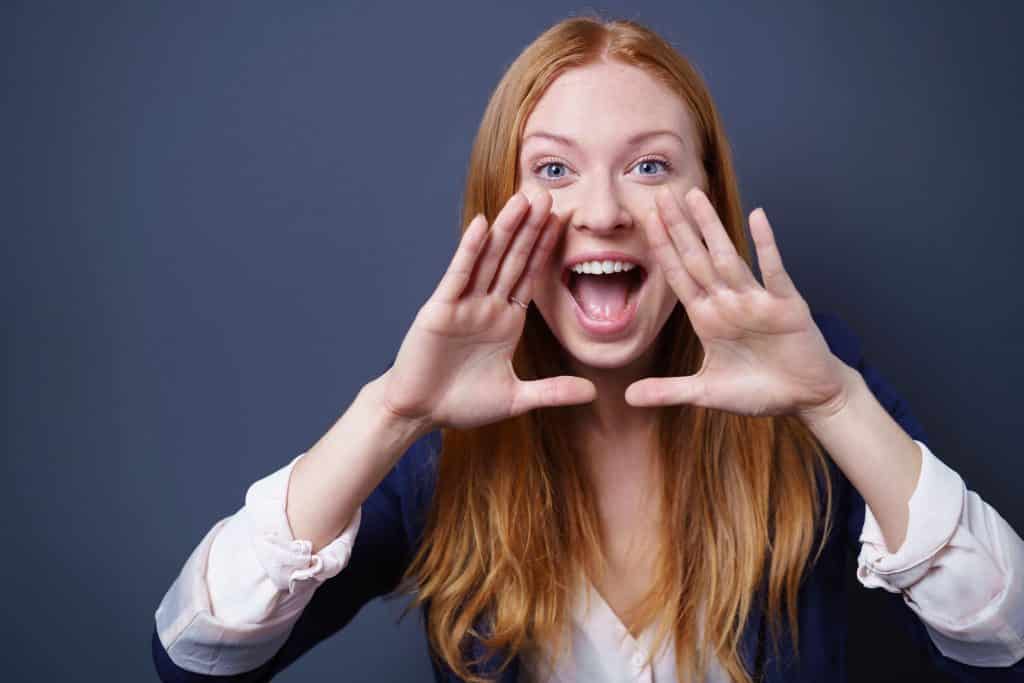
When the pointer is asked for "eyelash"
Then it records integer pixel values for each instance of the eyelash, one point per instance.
(547, 162)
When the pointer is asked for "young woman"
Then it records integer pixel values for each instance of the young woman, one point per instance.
(605, 451)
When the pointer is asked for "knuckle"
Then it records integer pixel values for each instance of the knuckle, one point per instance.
(721, 257)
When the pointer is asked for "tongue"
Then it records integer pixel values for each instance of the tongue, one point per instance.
(602, 297)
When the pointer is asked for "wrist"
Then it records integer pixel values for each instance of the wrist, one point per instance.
(852, 384)
(400, 427)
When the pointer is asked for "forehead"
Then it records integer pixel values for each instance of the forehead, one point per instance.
(608, 101)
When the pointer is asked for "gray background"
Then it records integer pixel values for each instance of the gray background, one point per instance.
(220, 218)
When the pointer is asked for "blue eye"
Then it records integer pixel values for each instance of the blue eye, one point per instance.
(648, 162)
(552, 163)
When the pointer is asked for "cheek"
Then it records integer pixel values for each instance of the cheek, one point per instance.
(527, 182)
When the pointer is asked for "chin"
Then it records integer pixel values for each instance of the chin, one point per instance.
(604, 358)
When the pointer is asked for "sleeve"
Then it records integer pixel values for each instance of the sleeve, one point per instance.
(246, 584)
(958, 569)
(251, 599)
(979, 649)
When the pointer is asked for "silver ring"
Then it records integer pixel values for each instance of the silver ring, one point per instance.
(512, 299)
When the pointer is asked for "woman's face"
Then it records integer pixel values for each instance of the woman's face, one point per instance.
(625, 134)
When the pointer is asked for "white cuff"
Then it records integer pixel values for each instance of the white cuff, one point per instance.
(198, 641)
(286, 559)
(935, 509)
(239, 594)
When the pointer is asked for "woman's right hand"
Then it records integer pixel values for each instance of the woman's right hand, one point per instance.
(454, 367)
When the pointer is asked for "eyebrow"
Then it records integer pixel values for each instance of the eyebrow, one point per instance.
(639, 137)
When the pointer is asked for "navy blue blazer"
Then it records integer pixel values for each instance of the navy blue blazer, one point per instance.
(393, 520)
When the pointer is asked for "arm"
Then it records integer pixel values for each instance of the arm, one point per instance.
(958, 565)
(342, 468)
(248, 600)
(873, 450)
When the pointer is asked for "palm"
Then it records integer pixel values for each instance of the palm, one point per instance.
(466, 349)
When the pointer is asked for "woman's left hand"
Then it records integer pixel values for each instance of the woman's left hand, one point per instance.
(763, 353)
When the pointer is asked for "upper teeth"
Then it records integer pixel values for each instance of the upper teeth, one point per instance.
(597, 267)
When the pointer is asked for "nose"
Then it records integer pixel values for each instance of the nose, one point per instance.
(600, 210)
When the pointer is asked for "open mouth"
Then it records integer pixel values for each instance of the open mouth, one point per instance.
(605, 296)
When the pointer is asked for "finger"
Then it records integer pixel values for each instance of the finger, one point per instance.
(518, 253)
(552, 391)
(686, 239)
(504, 226)
(523, 291)
(454, 281)
(667, 256)
(776, 279)
(720, 249)
(665, 391)
(726, 261)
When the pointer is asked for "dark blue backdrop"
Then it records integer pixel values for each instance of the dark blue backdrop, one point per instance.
(220, 218)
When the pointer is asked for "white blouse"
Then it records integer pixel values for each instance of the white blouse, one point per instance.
(604, 650)
(245, 585)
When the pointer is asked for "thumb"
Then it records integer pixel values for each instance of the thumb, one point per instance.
(666, 391)
(552, 391)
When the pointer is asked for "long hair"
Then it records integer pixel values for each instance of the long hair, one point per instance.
(513, 525)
